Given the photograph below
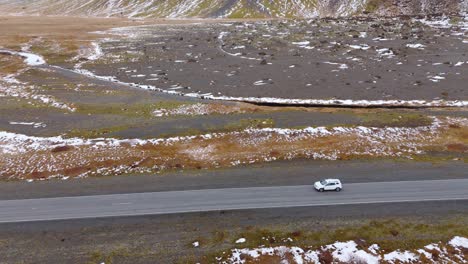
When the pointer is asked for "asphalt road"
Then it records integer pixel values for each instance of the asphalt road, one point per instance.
(227, 199)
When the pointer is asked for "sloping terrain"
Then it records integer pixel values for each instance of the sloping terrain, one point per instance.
(230, 8)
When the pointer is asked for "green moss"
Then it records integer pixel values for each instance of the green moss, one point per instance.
(243, 11)
(295, 37)
(445, 157)
(9, 103)
(238, 14)
(205, 7)
(144, 110)
(230, 127)
(249, 123)
(394, 119)
(55, 53)
(372, 5)
(168, 105)
(272, 7)
(187, 132)
(455, 20)
(110, 256)
(95, 133)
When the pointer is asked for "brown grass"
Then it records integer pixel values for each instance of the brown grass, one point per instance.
(69, 33)
(222, 150)
(20, 29)
(10, 64)
(265, 259)
(325, 257)
(413, 234)
(61, 149)
(457, 147)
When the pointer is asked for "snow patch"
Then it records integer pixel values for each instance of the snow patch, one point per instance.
(415, 46)
(33, 124)
(29, 58)
(399, 257)
(240, 240)
(348, 252)
(459, 242)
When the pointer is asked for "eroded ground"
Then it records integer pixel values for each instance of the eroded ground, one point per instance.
(358, 59)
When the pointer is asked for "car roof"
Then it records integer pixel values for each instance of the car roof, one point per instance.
(335, 180)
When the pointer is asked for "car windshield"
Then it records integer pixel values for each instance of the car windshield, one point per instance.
(324, 182)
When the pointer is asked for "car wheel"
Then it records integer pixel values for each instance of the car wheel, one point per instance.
(321, 190)
(338, 189)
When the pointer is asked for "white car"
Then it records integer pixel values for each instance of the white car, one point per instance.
(328, 185)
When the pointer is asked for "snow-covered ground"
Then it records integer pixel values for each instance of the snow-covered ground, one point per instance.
(198, 109)
(16, 143)
(350, 252)
(12, 87)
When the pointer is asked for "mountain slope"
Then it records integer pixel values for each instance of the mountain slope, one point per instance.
(229, 8)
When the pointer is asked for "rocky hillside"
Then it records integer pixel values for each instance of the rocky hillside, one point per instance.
(416, 7)
(230, 8)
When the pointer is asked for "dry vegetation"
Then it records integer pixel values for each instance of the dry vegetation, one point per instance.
(10, 64)
(60, 38)
(57, 39)
(390, 235)
(17, 30)
(111, 157)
